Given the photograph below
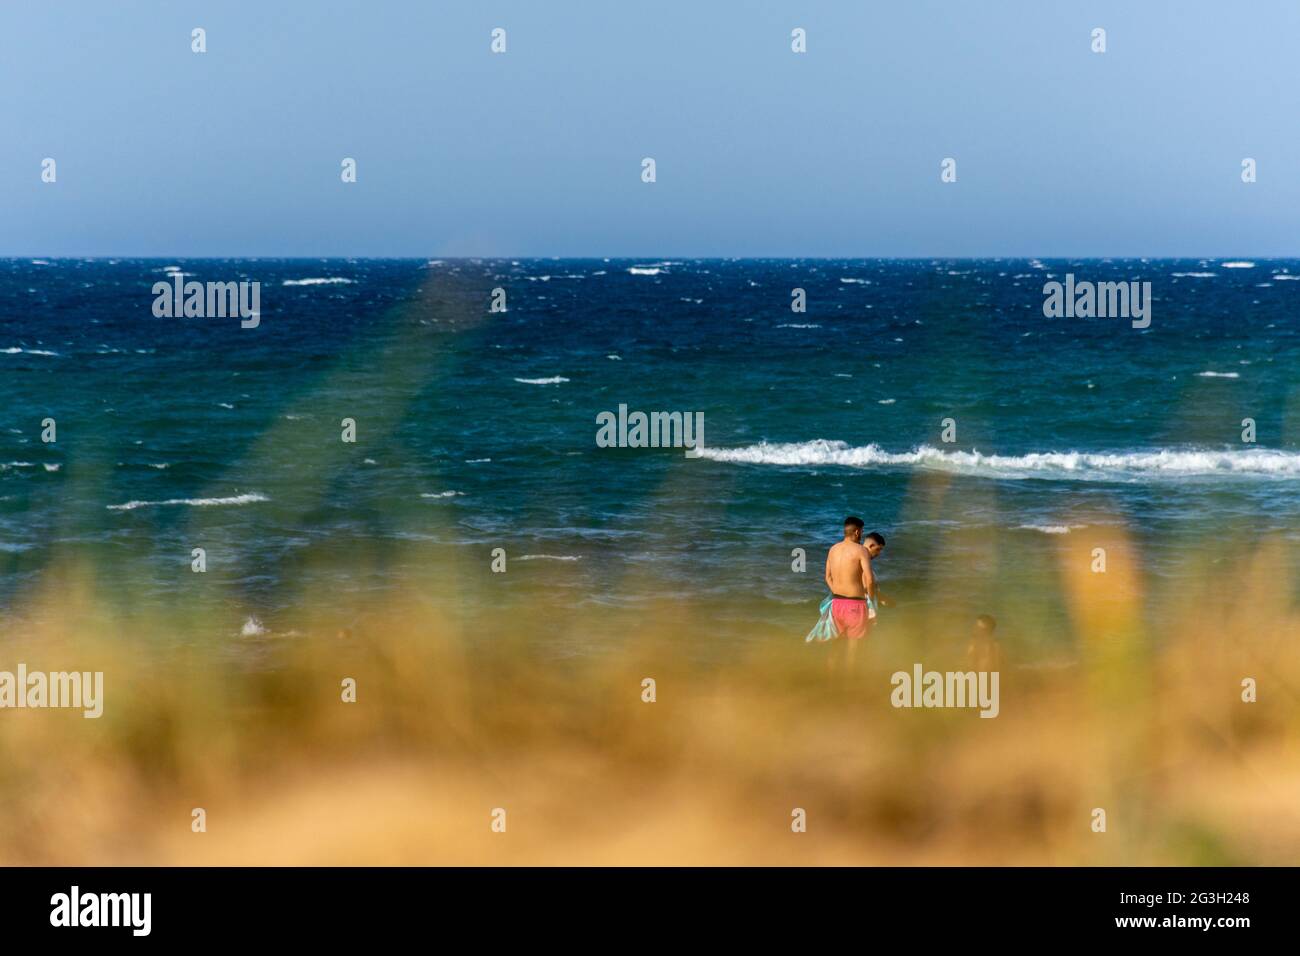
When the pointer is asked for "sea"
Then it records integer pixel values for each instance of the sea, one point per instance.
(934, 398)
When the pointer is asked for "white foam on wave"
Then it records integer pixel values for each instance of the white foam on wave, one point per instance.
(14, 350)
(1237, 265)
(194, 502)
(441, 494)
(327, 280)
(553, 380)
(798, 325)
(1050, 528)
(642, 271)
(252, 628)
(1194, 275)
(1218, 375)
(1083, 466)
(548, 557)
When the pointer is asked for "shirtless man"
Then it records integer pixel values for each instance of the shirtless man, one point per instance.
(984, 652)
(852, 582)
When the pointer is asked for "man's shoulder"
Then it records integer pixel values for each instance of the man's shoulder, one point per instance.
(851, 548)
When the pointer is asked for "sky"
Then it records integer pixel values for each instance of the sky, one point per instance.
(759, 151)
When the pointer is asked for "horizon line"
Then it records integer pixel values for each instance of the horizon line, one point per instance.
(658, 257)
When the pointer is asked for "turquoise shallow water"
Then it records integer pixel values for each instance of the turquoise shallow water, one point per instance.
(477, 430)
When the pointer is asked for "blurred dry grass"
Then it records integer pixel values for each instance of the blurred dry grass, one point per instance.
(451, 724)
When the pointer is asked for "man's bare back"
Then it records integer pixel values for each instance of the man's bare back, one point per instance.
(848, 570)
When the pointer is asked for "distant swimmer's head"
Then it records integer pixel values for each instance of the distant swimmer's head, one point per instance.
(875, 543)
(853, 528)
(985, 625)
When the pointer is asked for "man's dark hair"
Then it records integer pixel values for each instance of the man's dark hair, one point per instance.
(877, 537)
(987, 621)
(854, 522)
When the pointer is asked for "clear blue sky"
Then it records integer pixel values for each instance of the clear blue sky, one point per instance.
(760, 151)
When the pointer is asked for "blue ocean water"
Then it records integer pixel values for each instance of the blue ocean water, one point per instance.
(477, 430)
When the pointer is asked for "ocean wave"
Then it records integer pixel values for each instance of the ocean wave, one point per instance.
(195, 502)
(15, 350)
(252, 628)
(1237, 265)
(1084, 466)
(553, 380)
(441, 494)
(1050, 528)
(1218, 375)
(798, 325)
(643, 271)
(328, 280)
(548, 557)
(1194, 275)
